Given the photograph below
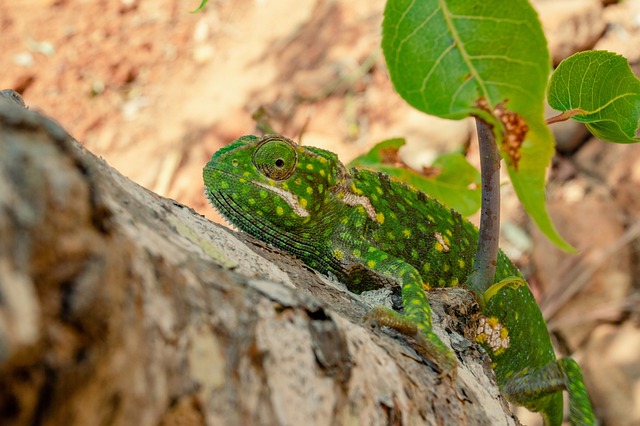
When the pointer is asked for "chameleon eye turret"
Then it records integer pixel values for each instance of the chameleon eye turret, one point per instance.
(276, 157)
(371, 231)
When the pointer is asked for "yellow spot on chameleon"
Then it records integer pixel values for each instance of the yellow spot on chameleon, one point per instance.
(298, 181)
(373, 197)
(279, 210)
(393, 215)
(426, 267)
(438, 247)
(309, 190)
(309, 166)
(426, 286)
(241, 180)
(379, 190)
(416, 302)
(380, 218)
(371, 264)
(499, 351)
(344, 220)
(406, 232)
(223, 184)
(446, 267)
(356, 253)
(263, 194)
(448, 232)
(246, 174)
(320, 189)
(338, 254)
(461, 263)
(323, 160)
(322, 173)
(454, 282)
(303, 202)
(355, 189)
(431, 218)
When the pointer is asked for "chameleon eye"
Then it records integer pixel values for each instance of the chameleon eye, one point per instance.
(275, 158)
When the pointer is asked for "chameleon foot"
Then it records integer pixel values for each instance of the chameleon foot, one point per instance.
(428, 343)
(539, 389)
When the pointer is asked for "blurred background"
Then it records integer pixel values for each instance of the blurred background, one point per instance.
(155, 90)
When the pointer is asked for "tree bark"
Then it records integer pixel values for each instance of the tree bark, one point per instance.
(121, 307)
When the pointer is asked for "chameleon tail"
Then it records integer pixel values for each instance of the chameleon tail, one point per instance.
(580, 410)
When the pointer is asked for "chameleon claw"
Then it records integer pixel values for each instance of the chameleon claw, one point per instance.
(427, 343)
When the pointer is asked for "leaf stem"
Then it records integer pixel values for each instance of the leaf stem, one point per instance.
(564, 116)
(484, 267)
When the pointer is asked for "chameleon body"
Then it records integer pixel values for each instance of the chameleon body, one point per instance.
(371, 231)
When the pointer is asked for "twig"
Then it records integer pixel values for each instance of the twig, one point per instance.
(484, 268)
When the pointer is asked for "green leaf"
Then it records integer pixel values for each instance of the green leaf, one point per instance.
(452, 180)
(383, 152)
(459, 58)
(599, 89)
(202, 5)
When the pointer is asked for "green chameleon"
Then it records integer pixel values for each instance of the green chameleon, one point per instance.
(371, 231)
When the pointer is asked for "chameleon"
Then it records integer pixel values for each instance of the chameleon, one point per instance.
(371, 231)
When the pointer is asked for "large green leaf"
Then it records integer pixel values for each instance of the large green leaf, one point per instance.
(599, 89)
(451, 179)
(458, 58)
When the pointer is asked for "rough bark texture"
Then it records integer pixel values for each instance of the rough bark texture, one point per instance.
(118, 306)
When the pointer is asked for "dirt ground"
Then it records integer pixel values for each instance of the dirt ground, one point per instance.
(156, 90)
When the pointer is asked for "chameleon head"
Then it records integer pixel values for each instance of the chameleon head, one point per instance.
(257, 183)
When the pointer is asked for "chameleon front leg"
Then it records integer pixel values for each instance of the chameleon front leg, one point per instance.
(532, 385)
(416, 322)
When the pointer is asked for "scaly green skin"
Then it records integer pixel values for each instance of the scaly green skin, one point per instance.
(371, 231)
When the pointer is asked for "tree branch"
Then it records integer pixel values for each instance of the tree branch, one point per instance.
(121, 307)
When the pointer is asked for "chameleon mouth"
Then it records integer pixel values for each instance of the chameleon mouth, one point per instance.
(258, 226)
(288, 197)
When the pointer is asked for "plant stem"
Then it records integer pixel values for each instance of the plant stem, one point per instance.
(484, 267)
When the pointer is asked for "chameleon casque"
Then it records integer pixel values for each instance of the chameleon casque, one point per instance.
(372, 231)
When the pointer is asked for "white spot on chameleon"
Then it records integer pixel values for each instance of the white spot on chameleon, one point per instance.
(288, 197)
(352, 200)
(493, 333)
(440, 239)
